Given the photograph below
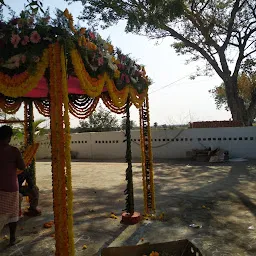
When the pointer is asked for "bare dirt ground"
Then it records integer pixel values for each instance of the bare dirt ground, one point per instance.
(219, 198)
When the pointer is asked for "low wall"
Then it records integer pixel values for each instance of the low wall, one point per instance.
(167, 144)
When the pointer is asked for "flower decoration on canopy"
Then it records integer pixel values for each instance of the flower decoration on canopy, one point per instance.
(27, 38)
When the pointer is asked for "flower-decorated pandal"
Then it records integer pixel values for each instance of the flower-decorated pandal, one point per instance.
(64, 69)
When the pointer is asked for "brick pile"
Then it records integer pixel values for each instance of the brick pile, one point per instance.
(215, 124)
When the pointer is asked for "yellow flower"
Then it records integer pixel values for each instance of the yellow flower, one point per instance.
(110, 48)
(117, 61)
(117, 73)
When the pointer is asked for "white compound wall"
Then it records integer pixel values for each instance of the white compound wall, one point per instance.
(167, 144)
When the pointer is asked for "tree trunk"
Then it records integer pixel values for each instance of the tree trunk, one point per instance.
(236, 103)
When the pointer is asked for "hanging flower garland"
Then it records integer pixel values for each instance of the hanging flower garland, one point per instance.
(92, 86)
(150, 158)
(9, 105)
(110, 105)
(58, 153)
(119, 98)
(29, 155)
(21, 84)
(25, 124)
(142, 150)
(82, 106)
(147, 159)
(67, 154)
(136, 98)
(43, 107)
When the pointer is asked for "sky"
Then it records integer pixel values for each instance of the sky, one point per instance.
(173, 97)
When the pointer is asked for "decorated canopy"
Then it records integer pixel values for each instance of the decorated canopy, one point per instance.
(94, 68)
(65, 70)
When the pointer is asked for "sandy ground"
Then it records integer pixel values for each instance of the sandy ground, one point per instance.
(219, 198)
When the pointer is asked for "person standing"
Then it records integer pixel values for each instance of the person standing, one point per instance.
(11, 160)
(30, 190)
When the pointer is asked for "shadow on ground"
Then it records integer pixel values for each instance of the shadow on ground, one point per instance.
(220, 199)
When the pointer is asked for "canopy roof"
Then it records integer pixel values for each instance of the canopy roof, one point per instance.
(93, 65)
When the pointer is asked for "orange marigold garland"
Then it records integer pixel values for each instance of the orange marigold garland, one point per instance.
(67, 154)
(29, 155)
(58, 153)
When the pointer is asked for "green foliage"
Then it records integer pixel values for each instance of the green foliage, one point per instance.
(139, 14)
(38, 130)
(220, 97)
(101, 120)
(246, 90)
(220, 32)
(124, 123)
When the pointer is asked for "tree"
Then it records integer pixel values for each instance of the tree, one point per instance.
(101, 120)
(155, 125)
(123, 124)
(246, 86)
(38, 130)
(209, 30)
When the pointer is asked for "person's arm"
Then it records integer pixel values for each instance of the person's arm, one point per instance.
(19, 161)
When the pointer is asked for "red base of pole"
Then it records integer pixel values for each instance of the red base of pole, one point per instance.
(129, 219)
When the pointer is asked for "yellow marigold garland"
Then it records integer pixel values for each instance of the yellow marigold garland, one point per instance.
(119, 98)
(20, 85)
(92, 86)
(136, 98)
(67, 154)
(110, 105)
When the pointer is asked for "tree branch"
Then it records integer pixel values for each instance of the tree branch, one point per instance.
(241, 51)
(188, 43)
(235, 9)
(251, 52)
